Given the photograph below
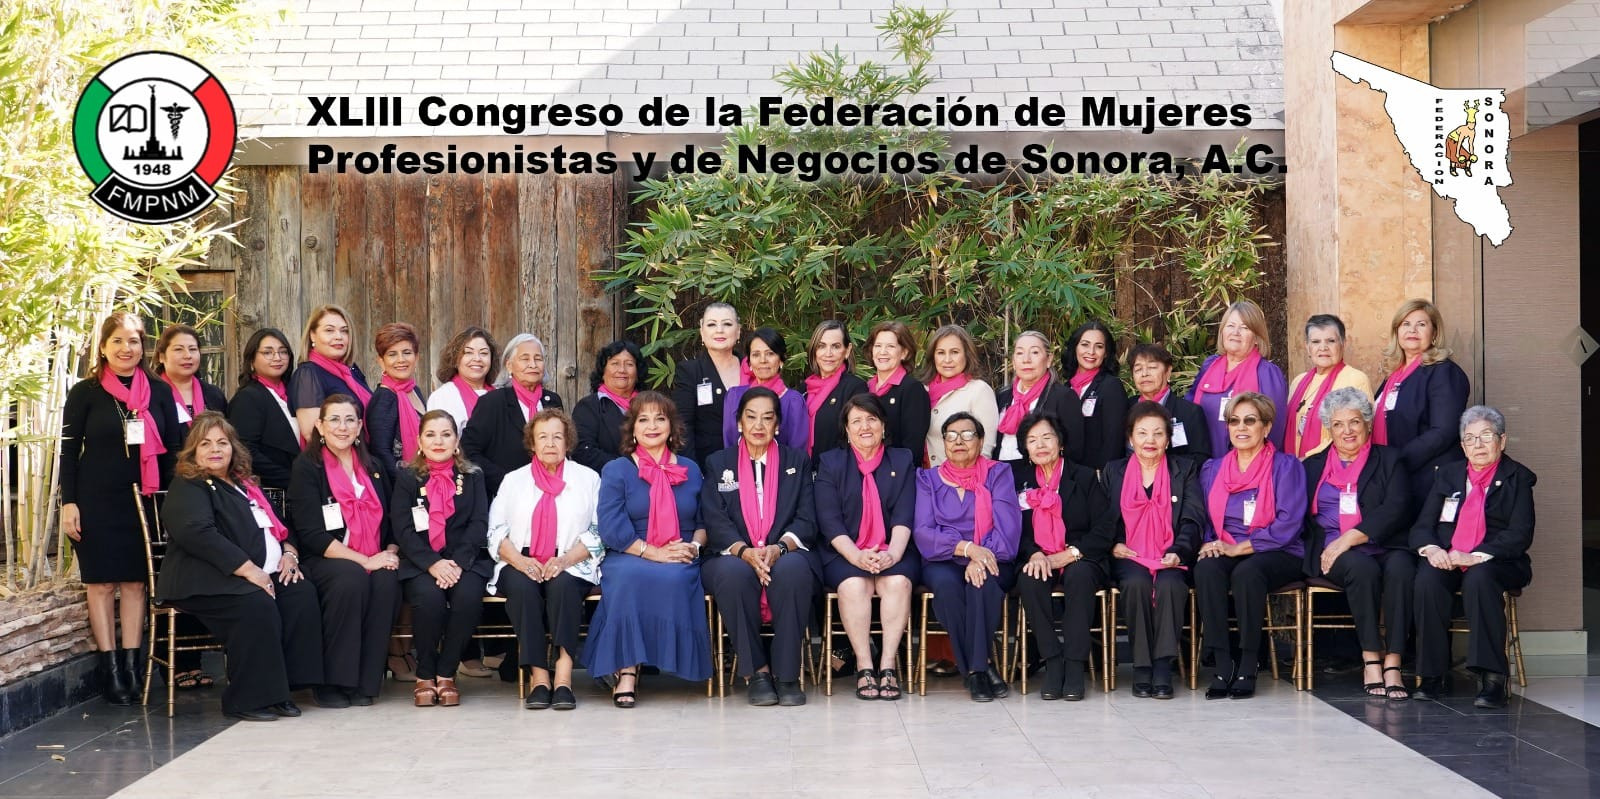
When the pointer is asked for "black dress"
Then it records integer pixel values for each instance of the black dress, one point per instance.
(215, 401)
(702, 421)
(311, 384)
(1104, 411)
(266, 432)
(98, 472)
(827, 428)
(599, 423)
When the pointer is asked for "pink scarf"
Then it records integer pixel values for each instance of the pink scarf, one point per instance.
(1161, 399)
(1380, 421)
(1219, 379)
(253, 491)
(1147, 519)
(343, 372)
(410, 420)
(1020, 400)
(1049, 528)
(1081, 379)
(974, 480)
(194, 386)
(758, 516)
(880, 387)
(817, 390)
(1343, 476)
(529, 397)
(941, 386)
(1297, 444)
(469, 395)
(662, 528)
(621, 401)
(748, 378)
(1470, 523)
(1232, 481)
(363, 516)
(871, 535)
(276, 387)
(542, 543)
(441, 493)
(137, 398)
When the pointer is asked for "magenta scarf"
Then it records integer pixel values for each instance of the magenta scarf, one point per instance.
(1343, 476)
(529, 397)
(137, 398)
(662, 528)
(621, 401)
(974, 480)
(1219, 379)
(1470, 523)
(441, 493)
(276, 387)
(940, 386)
(757, 515)
(817, 390)
(1232, 481)
(872, 535)
(469, 395)
(1147, 519)
(1300, 444)
(1020, 400)
(1081, 379)
(1380, 420)
(410, 420)
(194, 386)
(748, 378)
(542, 542)
(363, 517)
(343, 372)
(880, 387)
(253, 491)
(1049, 528)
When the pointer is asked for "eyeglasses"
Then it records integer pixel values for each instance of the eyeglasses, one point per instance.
(1247, 421)
(272, 353)
(341, 421)
(953, 436)
(1485, 439)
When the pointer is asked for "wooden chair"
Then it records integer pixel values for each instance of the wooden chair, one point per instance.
(830, 606)
(1107, 599)
(165, 640)
(1003, 662)
(1276, 622)
(1326, 621)
(727, 666)
(1513, 635)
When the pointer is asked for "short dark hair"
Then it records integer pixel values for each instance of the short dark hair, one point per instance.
(1144, 409)
(610, 351)
(1069, 358)
(962, 416)
(451, 354)
(772, 338)
(1151, 351)
(759, 392)
(169, 333)
(1034, 418)
(1325, 320)
(867, 403)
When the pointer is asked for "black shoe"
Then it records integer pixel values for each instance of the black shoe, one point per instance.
(128, 665)
(1429, 688)
(978, 686)
(1219, 686)
(1072, 687)
(1243, 687)
(539, 698)
(564, 699)
(287, 709)
(1055, 671)
(1161, 692)
(762, 692)
(790, 695)
(259, 714)
(1492, 693)
(330, 696)
(117, 690)
(1143, 690)
(358, 699)
(943, 668)
(997, 684)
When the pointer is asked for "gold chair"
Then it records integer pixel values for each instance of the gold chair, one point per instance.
(1513, 635)
(727, 667)
(830, 606)
(1276, 622)
(165, 644)
(1003, 661)
(1107, 599)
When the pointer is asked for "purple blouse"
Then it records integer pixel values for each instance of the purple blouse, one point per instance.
(792, 431)
(1328, 517)
(1269, 381)
(944, 519)
(1288, 492)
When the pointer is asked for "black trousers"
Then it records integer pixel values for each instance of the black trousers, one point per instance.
(1248, 580)
(970, 615)
(442, 621)
(271, 645)
(1077, 582)
(1373, 583)
(358, 613)
(1480, 587)
(555, 605)
(738, 594)
(1152, 608)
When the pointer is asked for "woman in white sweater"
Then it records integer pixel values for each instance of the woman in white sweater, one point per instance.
(954, 387)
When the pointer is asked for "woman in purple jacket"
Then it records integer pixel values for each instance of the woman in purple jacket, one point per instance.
(1239, 366)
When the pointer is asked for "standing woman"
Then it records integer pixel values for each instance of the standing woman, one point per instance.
(177, 362)
(1033, 390)
(119, 429)
(394, 414)
(893, 349)
(700, 383)
(260, 408)
(468, 367)
(953, 387)
(828, 384)
(440, 513)
(1239, 366)
(1091, 370)
(968, 526)
(1189, 438)
(764, 356)
(1160, 517)
(1422, 399)
(1306, 435)
(338, 498)
(1256, 498)
(1065, 543)
(866, 506)
(653, 609)
(598, 417)
(493, 436)
(329, 368)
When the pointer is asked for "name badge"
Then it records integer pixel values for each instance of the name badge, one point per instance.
(332, 517)
(1300, 425)
(702, 393)
(1222, 408)
(1249, 511)
(1022, 500)
(262, 520)
(133, 431)
(183, 414)
(1347, 502)
(727, 488)
(1179, 438)
(1447, 513)
(419, 518)
(1389, 398)
(1088, 406)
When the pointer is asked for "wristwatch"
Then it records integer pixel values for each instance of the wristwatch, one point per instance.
(783, 549)
(1076, 554)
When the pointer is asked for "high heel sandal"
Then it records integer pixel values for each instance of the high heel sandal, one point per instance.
(1396, 693)
(871, 684)
(406, 671)
(1374, 689)
(626, 699)
(448, 695)
(889, 685)
(426, 694)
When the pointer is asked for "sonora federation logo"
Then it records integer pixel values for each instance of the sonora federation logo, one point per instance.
(154, 131)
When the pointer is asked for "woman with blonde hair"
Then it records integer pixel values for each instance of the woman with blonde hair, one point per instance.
(329, 368)
(1240, 366)
(1422, 399)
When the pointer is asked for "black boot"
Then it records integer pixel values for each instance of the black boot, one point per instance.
(1492, 691)
(118, 690)
(1072, 685)
(128, 662)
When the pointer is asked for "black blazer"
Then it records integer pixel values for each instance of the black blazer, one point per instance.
(702, 424)
(383, 429)
(838, 496)
(493, 438)
(1383, 493)
(599, 423)
(1426, 421)
(1507, 512)
(266, 433)
(1197, 446)
(309, 491)
(1104, 439)
(95, 464)
(1061, 401)
(910, 412)
(724, 516)
(210, 533)
(1083, 508)
(466, 532)
(827, 429)
(1189, 515)
(215, 401)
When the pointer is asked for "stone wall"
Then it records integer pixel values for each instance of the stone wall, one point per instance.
(40, 630)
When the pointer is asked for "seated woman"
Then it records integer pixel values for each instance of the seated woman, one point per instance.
(547, 551)
(1065, 543)
(618, 369)
(1360, 503)
(867, 525)
(761, 526)
(653, 605)
(440, 513)
(967, 529)
(1256, 497)
(1474, 530)
(338, 501)
(229, 563)
(1160, 517)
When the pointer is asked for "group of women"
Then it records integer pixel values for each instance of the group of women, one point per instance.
(765, 498)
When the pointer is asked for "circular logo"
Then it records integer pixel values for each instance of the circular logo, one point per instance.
(154, 131)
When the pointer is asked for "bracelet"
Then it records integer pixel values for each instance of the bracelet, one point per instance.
(783, 549)
(969, 548)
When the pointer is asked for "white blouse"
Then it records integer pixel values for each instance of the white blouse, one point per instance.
(448, 398)
(511, 516)
(976, 398)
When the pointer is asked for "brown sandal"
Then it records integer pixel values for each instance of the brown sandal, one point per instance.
(426, 694)
(448, 695)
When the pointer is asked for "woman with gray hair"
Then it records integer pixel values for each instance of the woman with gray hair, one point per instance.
(493, 437)
(1474, 530)
(1358, 506)
(1307, 434)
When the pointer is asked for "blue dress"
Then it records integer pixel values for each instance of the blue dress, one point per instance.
(649, 612)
